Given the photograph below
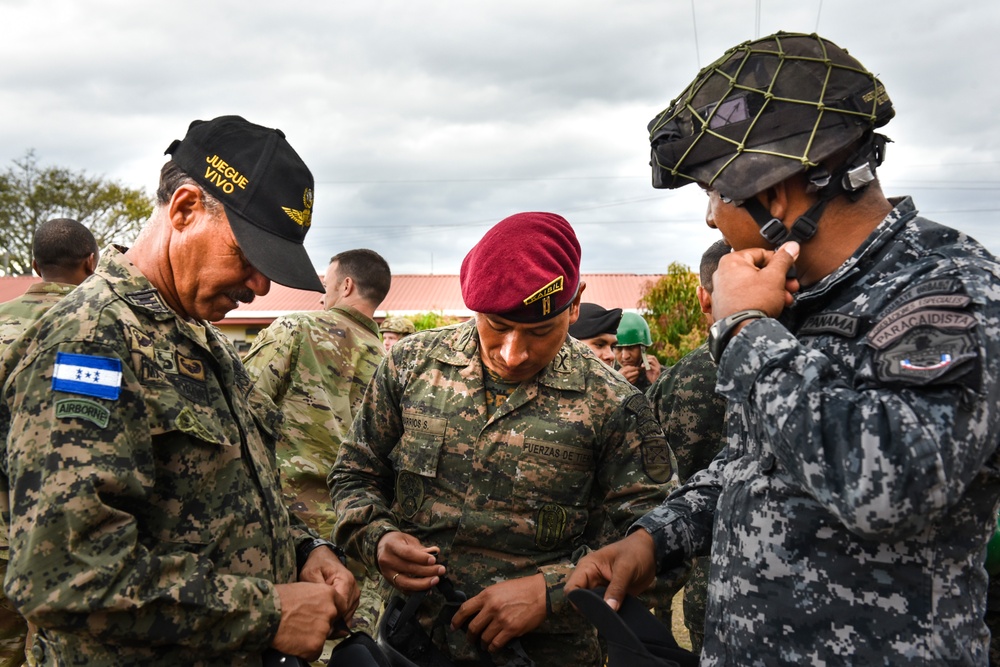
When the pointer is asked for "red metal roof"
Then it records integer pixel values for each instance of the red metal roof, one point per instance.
(410, 294)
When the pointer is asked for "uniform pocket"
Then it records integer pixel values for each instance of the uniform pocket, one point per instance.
(415, 459)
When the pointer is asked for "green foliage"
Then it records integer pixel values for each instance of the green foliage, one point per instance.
(433, 320)
(31, 194)
(674, 313)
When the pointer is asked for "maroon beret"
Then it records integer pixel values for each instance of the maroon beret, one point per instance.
(525, 269)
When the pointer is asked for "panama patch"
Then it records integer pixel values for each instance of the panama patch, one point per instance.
(81, 408)
(87, 375)
(551, 522)
(409, 493)
(834, 323)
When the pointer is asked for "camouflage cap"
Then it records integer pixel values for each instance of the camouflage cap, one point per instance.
(399, 325)
(764, 111)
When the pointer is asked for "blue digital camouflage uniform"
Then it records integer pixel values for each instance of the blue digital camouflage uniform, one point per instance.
(569, 461)
(146, 529)
(693, 417)
(15, 316)
(860, 481)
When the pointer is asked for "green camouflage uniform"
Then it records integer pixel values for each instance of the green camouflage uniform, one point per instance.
(316, 367)
(148, 529)
(693, 418)
(568, 462)
(15, 316)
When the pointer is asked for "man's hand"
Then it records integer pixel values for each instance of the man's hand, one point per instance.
(653, 369)
(631, 373)
(754, 278)
(308, 612)
(504, 611)
(626, 567)
(323, 567)
(407, 564)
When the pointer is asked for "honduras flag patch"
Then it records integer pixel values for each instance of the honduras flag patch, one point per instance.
(88, 375)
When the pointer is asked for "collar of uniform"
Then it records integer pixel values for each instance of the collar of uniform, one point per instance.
(461, 348)
(129, 283)
(903, 211)
(359, 317)
(50, 288)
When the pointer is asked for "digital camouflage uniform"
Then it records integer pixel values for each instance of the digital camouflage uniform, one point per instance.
(15, 316)
(860, 481)
(316, 367)
(147, 529)
(693, 417)
(567, 462)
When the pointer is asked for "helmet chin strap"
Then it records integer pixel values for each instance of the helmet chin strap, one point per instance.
(850, 179)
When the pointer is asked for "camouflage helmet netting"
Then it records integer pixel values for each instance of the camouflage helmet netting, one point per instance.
(767, 109)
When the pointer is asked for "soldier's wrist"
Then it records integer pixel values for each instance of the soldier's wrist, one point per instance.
(305, 548)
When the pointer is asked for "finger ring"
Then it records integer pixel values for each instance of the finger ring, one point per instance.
(394, 578)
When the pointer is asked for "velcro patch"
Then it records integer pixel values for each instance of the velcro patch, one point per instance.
(81, 408)
(87, 375)
(421, 423)
(835, 323)
(930, 356)
(574, 457)
(889, 330)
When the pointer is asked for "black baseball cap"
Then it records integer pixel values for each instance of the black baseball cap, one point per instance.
(265, 187)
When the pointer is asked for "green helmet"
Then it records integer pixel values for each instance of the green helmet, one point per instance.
(399, 325)
(633, 330)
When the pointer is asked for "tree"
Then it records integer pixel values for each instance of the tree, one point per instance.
(31, 194)
(432, 320)
(674, 314)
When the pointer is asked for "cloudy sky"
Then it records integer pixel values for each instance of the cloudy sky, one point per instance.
(426, 122)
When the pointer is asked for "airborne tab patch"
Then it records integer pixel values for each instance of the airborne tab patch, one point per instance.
(81, 408)
(87, 375)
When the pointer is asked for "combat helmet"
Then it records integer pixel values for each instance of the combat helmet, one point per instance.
(399, 325)
(767, 110)
(633, 330)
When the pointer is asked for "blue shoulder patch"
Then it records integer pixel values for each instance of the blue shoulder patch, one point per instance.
(87, 375)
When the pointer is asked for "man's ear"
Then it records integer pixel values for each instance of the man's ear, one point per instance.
(90, 264)
(185, 206)
(574, 308)
(347, 286)
(705, 300)
(775, 200)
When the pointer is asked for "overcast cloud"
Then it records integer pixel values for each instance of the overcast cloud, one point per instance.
(426, 122)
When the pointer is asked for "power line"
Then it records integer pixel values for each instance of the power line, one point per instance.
(694, 24)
